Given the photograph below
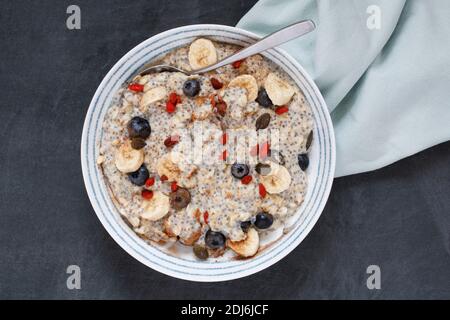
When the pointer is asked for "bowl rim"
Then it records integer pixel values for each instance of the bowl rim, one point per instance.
(238, 274)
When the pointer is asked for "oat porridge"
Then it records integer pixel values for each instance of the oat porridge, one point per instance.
(212, 161)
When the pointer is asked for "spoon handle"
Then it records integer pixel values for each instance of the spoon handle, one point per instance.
(272, 40)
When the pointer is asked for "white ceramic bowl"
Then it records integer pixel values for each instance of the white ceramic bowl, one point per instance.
(181, 263)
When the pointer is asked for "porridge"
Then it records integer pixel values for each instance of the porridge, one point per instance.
(212, 161)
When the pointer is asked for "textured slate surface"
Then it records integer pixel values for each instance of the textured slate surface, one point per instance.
(397, 218)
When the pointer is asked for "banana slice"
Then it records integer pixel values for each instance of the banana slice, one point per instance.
(184, 224)
(247, 82)
(279, 91)
(128, 159)
(202, 53)
(168, 167)
(176, 167)
(155, 208)
(247, 247)
(278, 179)
(152, 95)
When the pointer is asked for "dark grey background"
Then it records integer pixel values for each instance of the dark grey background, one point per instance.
(397, 217)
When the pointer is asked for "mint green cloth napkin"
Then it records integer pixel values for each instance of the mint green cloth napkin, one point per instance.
(388, 89)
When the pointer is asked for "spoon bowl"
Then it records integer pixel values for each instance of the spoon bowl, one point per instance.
(272, 40)
(161, 68)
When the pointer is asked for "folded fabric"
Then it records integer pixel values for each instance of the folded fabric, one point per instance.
(383, 67)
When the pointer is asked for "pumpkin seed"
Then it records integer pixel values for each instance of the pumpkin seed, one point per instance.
(263, 121)
(200, 252)
(262, 169)
(309, 140)
(180, 198)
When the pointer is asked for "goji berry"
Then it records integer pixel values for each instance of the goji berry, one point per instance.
(147, 194)
(262, 190)
(254, 151)
(136, 87)
(224, 139)
(221, 108)
(237, 64)
(171, 141)
(149, 182)
(264, 150)
(216, 84)
(224, 155)
(173, 98)
(246, 179)
(170, 107)
(281, 110)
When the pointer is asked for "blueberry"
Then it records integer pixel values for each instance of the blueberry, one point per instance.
(214, 240)
(191, 87)
(263, 99)
(239, 170)
(140, 176)
(303, 161)
(263, 220)
(138, 128)
(245, 225)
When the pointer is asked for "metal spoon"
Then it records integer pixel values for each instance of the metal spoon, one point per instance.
(272, 40)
